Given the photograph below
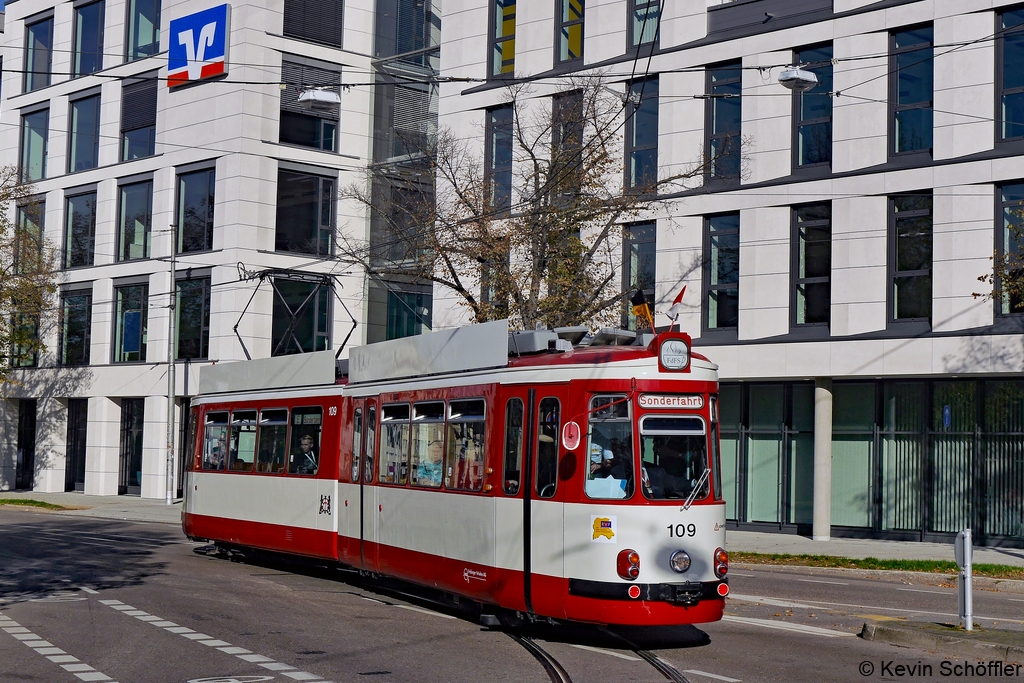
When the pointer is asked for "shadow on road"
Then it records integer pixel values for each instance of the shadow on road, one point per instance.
(41, 557)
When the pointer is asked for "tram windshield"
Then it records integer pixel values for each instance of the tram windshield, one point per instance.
(674, 457)
(610, 445)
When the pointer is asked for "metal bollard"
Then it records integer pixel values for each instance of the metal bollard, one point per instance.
(964, 552)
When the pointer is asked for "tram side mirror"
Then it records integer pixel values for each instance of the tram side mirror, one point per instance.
(567, 466)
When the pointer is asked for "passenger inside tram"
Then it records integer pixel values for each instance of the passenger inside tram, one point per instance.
(611, 449)
(430, 469)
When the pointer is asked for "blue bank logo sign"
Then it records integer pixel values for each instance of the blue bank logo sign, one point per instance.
(198, 47)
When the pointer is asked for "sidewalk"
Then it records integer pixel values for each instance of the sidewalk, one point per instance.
(151, 510)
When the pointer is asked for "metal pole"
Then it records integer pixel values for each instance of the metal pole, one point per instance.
(964, 552)
(170, 374)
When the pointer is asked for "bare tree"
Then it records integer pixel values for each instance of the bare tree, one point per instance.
(1006, 281)
(543, 247)
(27, 275)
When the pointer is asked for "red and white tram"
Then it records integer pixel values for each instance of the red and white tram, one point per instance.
(577, 483)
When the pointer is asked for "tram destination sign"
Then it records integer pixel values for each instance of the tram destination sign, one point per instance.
(684, 401)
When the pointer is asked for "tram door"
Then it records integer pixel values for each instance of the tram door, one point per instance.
(544, 542)
(367, 492)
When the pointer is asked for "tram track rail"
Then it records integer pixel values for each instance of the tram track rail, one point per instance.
(558, 674)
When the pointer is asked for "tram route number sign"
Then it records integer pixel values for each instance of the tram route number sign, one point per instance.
(685, 401)
(571, 435)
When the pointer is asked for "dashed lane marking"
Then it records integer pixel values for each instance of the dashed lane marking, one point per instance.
(919, 590)
(56, 655)
(245, 655)
(821, 604)
(1014, 600)
(774, 602)
(785, 626)
(90, 591)
(610, 653)
(705, 674)
(832, 583)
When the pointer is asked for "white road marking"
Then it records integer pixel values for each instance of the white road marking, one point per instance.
(110, 603)
(610, 653)
(56, 655)
(214, 643)
(774, 602)
(425, 611)
(705, 674)
(783, 626)
(301, 675)
(232, 650)
(90, 591)
(181, 630)
(1014, 600)
(136, 613)
(833, 583)
(163, 624)
(195, 636)
(255, 658)
(735, 573)
(918, 590)
(277, 666)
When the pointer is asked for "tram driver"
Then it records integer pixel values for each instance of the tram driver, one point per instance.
(305, 460)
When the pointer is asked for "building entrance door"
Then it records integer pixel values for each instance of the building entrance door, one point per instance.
(130, 474)
(74, 467)
(25, 476)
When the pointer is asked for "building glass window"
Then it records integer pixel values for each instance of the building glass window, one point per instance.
(195, 211)
(33, 145)
(813, 144)
(316, 127)
(76, 328)
(499, 158)
(305, 213)
(639, 254)
(24, 341)
(143, 29)
(135, 219)
(722, 272)
(130, 336)
(192, 307)
(911, 256)
(88, 56)
(1010, 79)
(301, 317)
(318, 21)
(644, 16)
(138, 119)
(503, 40)
(911, 70)
(38, 54)
(28, 239)
(570, 30)
(1009, 244)
(812, 261)
(408, 313)
(724, 87)
(642, 134)
(80, 230)
(84, 143)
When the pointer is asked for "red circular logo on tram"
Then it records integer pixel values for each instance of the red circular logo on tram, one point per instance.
(634, 591)
(571, 436)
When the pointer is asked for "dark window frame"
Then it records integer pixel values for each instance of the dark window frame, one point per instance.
(67, 251)
(494, 41)
(138, 89)
(22, 149)
(639, 94)
(76, 54)
(632, 7)
(118, 331)
(62, 347)
(179, 198)
(490, 170)
(323, 118)
(795, 279)
(893, 106)
(131, 55)
(204, 327)
(798, 122)
(1000, 90)
(725, 333)
(323, 233)
(1000, 249)
(628, 286)
(30, 76)
(917, 323)
(710, 176)
(312, 299)
(147, 242)
(300, 12)
(562, 25)
(74, 133)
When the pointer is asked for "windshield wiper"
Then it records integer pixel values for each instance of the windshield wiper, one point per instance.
(698, 487)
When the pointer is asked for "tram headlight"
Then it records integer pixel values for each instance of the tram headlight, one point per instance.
(679, 561)
(674, 354)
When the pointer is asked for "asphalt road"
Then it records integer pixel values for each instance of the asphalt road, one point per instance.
(95, 600)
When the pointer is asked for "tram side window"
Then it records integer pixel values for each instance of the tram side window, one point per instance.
(305, 451)
(426, 465)
(610, 445)
(394, 444)
(371, 443)
(548, 416)
(674, 457)
(465, 462)
(215, 441)
(513, 445)
(191, 439)
(357, 435)
(242, 447)
(273, 440)
(716, 456)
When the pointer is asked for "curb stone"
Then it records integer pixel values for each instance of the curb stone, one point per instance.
(928, 637)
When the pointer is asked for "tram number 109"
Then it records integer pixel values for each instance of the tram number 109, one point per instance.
(681, 530)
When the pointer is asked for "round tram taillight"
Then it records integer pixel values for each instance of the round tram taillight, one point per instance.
(627, 564)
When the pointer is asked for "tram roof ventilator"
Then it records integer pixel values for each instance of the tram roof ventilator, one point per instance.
(561, 339)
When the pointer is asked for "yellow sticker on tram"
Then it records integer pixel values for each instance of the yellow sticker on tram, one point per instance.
(604, 529)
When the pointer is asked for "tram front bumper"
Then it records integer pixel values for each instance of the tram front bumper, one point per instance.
(687, 593)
